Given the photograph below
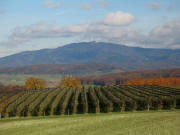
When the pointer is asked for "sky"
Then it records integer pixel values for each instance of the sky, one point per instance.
(37, 24)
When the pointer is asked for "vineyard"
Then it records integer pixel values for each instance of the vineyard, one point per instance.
(105, 99)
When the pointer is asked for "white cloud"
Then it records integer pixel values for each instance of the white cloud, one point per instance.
(2, 11)
(167, 35)
(5, 52)
(90, 31)
(51, 4)
(106, 33)
(155, 5)
(78, 28)
(164, 36)
(119, 19)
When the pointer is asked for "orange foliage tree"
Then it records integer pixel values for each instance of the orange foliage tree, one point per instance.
(70, 81)
(155, 81)
(35, 84)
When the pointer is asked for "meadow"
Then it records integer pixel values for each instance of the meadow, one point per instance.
(20, 79)
(126, 123)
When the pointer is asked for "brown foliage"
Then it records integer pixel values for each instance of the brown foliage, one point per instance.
(155, 81)
(8, 88)
(35, 84)
(123, 77)
(70, 81)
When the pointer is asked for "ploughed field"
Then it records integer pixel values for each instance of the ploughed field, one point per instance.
(68, 101)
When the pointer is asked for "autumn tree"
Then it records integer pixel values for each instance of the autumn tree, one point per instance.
(155, 81)
(70, 81)
(35, 84)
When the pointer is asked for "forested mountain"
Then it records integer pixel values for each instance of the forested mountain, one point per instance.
(130, 58)
(64, 69)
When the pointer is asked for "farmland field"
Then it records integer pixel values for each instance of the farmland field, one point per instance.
(59, 101)
(132, 123)
(20, 79)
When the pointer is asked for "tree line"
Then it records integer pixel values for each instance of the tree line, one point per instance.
(67, 81)
(155, 81)
(70, 81)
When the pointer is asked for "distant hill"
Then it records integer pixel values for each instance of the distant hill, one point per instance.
(63, 69)
(121, 78)
(130, 58)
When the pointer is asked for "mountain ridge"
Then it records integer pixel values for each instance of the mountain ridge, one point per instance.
(130, 58)
(64, 69)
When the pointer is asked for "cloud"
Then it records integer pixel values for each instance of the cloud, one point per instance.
(5, 52)
(51, 4)
(106, 33)
(155, 5)
(119, 19)
(2, 11)
(85, 6)
(167, 35)
(91, 31)
(163, 36)
(78, 28)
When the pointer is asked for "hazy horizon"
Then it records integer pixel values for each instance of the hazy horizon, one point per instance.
(84, 42)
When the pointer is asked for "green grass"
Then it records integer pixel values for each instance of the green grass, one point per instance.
(136, 123)
(20, 79)
(90, 85)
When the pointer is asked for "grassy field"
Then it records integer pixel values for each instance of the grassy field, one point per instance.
(20, 79)
(136, 123)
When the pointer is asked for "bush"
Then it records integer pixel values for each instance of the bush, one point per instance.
(70, 81)
(84, 100)
(35, 84)
(93, 103)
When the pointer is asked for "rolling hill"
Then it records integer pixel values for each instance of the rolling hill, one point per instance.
(123, 77)
(64, 69)
(130, 58)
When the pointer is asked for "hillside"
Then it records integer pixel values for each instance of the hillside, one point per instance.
(130, 58)
(63, 69)
(117, 78)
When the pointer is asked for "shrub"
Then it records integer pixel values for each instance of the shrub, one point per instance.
(93, 101)
(74, 103)
(70, 81)
(105, 104)
(35, 84)
(55, 103)
(65, 101)
(84, 100)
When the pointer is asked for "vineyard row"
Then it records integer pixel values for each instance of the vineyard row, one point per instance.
(88, 100)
